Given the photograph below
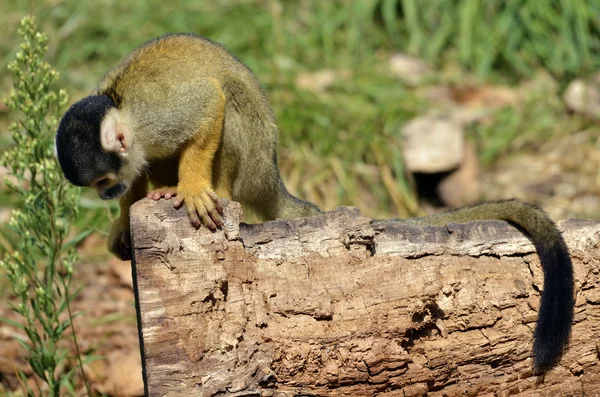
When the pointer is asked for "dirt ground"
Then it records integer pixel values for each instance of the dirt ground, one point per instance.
(106, 327)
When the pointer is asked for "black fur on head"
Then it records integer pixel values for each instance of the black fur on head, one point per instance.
(78, 146)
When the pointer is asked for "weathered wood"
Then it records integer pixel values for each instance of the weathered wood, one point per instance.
(338, 305)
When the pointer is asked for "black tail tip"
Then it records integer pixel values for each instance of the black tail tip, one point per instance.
(555, 314)
(546, 354)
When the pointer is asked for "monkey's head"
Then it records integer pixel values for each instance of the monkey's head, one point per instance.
(93, 144)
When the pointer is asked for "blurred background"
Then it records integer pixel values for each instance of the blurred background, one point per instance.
(397, 107)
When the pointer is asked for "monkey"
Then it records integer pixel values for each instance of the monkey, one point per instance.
(555, 314)
(182, 113)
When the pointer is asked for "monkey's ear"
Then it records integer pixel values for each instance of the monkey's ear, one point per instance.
(115, 134)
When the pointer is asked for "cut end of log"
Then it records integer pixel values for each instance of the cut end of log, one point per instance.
(340, 305)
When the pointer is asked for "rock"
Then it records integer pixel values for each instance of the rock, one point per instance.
(584, 97)
(432, 143)
(462, 185)
(409, 69)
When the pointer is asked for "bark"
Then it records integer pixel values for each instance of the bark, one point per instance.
(340, 305)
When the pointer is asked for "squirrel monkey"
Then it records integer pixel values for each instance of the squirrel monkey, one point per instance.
(184, 114)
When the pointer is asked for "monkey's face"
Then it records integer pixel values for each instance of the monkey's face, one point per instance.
(93, 147)
(114, 183)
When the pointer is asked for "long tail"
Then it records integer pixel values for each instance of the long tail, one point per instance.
(555, 314)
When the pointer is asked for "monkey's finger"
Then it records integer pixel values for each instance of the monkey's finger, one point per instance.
(196, 222)
(192, 213)
(215, 198)
(213, 210)
(216, 218)
(178, 201)
(202, 210)
(155, 195)
(208, 222)
(218, 208)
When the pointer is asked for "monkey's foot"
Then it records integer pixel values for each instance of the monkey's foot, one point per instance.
(119, 240)
(203, 208)
(163, 192)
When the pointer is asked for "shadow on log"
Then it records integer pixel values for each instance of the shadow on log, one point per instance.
(338, 305)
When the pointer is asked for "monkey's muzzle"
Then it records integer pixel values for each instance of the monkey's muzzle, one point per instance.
(113, 192)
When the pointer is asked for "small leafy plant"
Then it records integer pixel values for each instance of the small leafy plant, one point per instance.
(40, 268)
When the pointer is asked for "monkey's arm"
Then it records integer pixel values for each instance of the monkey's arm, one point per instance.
(119, 238)
(556, 307)
(196, 163)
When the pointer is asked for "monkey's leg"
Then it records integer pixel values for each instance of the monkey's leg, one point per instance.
(196, 166)
(224, 186)
(119, 238)
(225, 166)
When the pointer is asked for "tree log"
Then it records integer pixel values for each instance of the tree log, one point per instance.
(340, 305)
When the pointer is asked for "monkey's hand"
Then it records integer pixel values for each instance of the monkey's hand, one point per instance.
(203, 207)
(119, 239)
(163, 192)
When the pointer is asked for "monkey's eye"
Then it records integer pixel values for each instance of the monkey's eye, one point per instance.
(101, 182)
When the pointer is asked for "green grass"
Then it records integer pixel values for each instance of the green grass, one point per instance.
(509, 38)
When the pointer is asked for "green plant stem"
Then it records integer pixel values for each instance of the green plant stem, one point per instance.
(77, 351)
